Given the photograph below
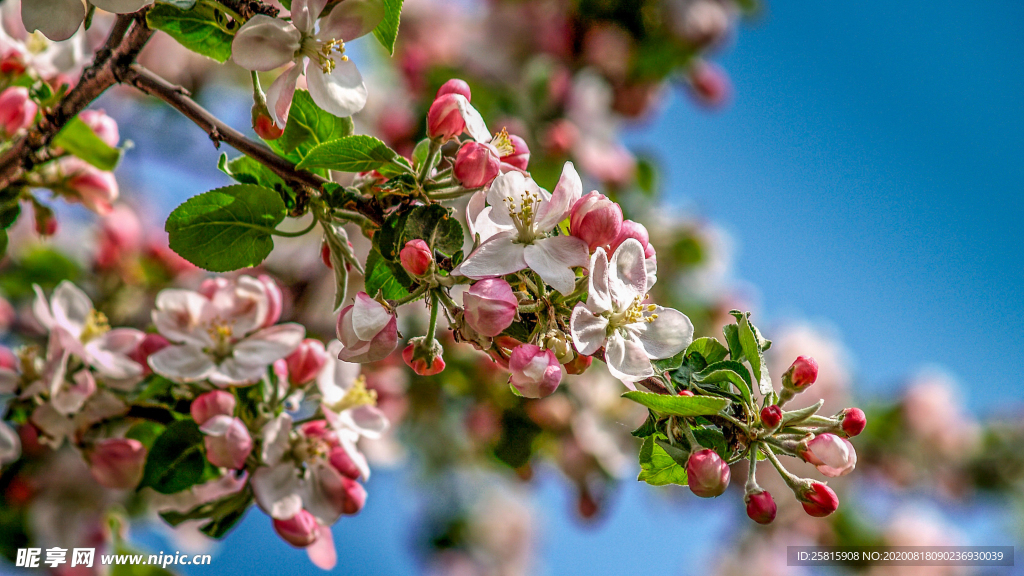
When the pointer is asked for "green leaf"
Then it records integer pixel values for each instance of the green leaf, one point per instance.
(9, 214)
(388, 277)
(732, 338)
(341, 258)
(176, 460)
(388, 240)
(666, 364)
(657, 467)
(146, 432)
(227, 228)
(650, 426)
(245, 170)
(679, 405)
(77, 138)
(709, 348)
(3, 242)
(223, 513)
(752, 349)
(437, 226)
(387, 31)
(309, 126)
(727, 371)
(712, 438)
(357, 153)
(202, 29)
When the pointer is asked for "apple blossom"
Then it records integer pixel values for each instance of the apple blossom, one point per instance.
(60, 19)
(524, 215)
(210, 404)
(707, 474)
(854, 421)
(117, 462)
(306, 361)
(416, 257)
(596, 220)
(761, 507)
(264, 43)
(518, 158)
(227, 441)
(832, 455)
(220, 337)
(615, 317)
(451, 114)
(490, 306)
(630, 229)
(368, 331)
(17, 110)
(818, 500)
(536, 373)
(300, 530)
(275, 300)
(455, 86)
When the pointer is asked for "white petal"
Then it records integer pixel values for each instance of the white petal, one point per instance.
(178, 316)
(70, 398)
(367, 421)
(475, 125)
(217, 425)
(495, 257)
(626, 359)
(108, 354)
(264, 43)
(598, 298)
(337, 376)
(510, 188)
(281, 93)
(10, 444)
(71, 307)
(278, 490)
(567, 192)
(41, 308)
(369, 317)
(351, 19)
(589, 331)
(305, 12)
(231, 372)
(651, 265)
(56, 19)
(275, 439)
(669, 334)
(323, 481)
(342, 92)
(120, 6)
(185, 363)
(554, 257)
(627, 278)
(269, 345)
(243, 304)
(9, 380)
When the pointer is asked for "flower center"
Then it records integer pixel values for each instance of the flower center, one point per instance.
(636, 312)
(322, 52)
(503, 144)
(310, 449)
(357, 395)
(221, 333)
(522, 215)
(96, 325)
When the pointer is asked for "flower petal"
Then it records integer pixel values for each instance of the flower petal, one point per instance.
(281, 93)
(178, 316)
(322, 553)
(554, 257)
(120, 6)
(305, 12)
(231, 372)
(351, 19)
(495, 257)
(41, 308)
(342, 92)
(185, 363)
(275, 439)
(567, 192)
(589, 331)
(598, 298)
(368, 421)
(278, 490)
(667, 335)
(322, 487)
(9, 380)
(627, 279)
(70, 398)
(269, 345)
(56, 19)
(264, 43)
(337, 376)
(71, 307)
(369, 317)
(626, 359)
(10, 444)
(109, 353)
(475, 125)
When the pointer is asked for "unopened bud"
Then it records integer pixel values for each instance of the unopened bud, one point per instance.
(96, 189)
(444, 119)
(536, 373)
(424, 357)
(8, 360)
(306, 361)
(104, 126)
(707, 474)
(801, 374)
(149, 345)
(17, 110)
(476, 165)
(300, 530)
(325, 255)
(710, 84)
(685, 393)
(227, 442)
(210, 404)
(761, 507)
(45, 220)
(854, 421)
(596, 220)
(455, 86)
(368, 331)
(354, 496)
(416, 257)
(771, 416)
(579, 364)
(263, 124)
(490, 306)
(631, 229)
(343, 463)
(830, 454)
(519, 158)
(818, 500)
(118, 462)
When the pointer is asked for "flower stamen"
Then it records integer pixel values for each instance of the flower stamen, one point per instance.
(357, 395)
(96, 325)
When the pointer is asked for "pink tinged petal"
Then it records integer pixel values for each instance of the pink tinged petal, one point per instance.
(342, 92)
(56, 19)
(324, 496)
(228, 442)
(281, 93)
(567, 192)
(554, 257)
(120, 6)
(41, 308)
(348, 443)
(369, 317)
(70, 398)
(495, 257)
(71, 307)
(244, 304)
(322, 553)
(667, 335)
(109, 353)
(230, 372)
(10, 444)
(626, 359)
(269, 345)
(351, 19)
(178, 316)
(264, 43)
(599, 298)
(368, 421)
(275, 439)
(305, 12)
(589, 331)
(278, 490)
(651, 265)
(475, 125)
(337, 376)
(627, 278)
(185, 363)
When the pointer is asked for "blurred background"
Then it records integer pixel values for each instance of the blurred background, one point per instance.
(852, 173)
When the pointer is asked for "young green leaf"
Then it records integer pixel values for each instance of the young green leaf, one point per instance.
(709, 348)
(227, 228)
(437, 226)
(309, 126)
(752, 349)
(650, 426)
(387, 31)
(77, 138)
(245, 170)
(679, 405)
(202, 29)
(357, 153)
(727, 371)
(176, 460)
(657, 467)
(667, 364)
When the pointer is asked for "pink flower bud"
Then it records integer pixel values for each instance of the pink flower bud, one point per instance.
(17, 110)
(210, 404)
(210, 286)
(416, 257)
(306, 361)
(854, 421)
(104, 126)
(300, 530)
(635, 230)
(263, 125)
(94, 188)
(490, 306)
(46, 224)
(707, 474)
(761, 507)
(120, 233)
(455, 86)
(227, 442)
(118, 462)
(150, 344)
(536, 373)
(343, 463)
(830, 454)
(368, 331)
(275, 300)
(12, 62)
(325, 255)
(710, 84)
(420, 364)
(685, 393)
(320, 429)
(771, 416)
(476, 165)
(596, 220)
(7, 359)
(819, 500)
(355, 496)
(520, 156)
(579, 364)
(801, 374)
(444, 119)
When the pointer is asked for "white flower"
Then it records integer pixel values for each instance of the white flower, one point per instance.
(76, 328)
(60, 19)
(522, 216)
(264, 43)
(220, 338)
(615, 316)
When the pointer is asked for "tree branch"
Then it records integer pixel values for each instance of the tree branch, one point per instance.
(249, 8)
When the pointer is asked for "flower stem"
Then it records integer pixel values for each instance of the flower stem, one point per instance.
(428, 162)
(411, 297)
(791, 480)
(433, 314)
(297, 233)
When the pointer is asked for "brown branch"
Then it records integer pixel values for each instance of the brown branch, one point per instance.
(249, 8)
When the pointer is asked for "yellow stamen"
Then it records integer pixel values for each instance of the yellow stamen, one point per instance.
(357, 395)
(502, 143)
(96, 325)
